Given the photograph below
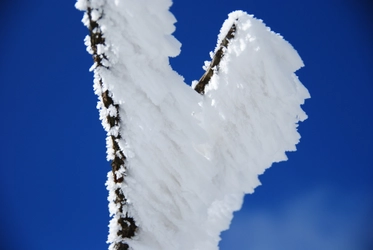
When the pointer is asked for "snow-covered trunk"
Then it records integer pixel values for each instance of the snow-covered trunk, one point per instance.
(124, 226)
(183, 158)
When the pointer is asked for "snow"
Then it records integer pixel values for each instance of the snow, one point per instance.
(191, 158)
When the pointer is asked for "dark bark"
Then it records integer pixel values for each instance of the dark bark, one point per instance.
(127, 223)
(214, 65)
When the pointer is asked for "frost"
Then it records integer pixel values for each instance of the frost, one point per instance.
(95, 15)
(112, 111)
(190, 159)
(81, 5)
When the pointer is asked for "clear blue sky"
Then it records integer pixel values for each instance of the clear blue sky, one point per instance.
(53, 167)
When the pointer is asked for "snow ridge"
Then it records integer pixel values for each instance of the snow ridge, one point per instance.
(189, 158)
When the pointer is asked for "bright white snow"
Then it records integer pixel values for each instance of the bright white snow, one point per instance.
(191, 158)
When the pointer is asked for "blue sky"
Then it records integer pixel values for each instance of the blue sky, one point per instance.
(53, 167)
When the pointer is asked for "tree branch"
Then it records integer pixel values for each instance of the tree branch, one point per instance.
(214, 65)
(127, 224)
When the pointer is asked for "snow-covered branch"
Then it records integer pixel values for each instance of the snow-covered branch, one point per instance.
(122, 225)
(214, 65)
(182, 161)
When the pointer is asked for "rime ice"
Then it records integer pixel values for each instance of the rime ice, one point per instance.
(191, 158)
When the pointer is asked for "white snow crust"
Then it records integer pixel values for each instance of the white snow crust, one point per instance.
(192, 158)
